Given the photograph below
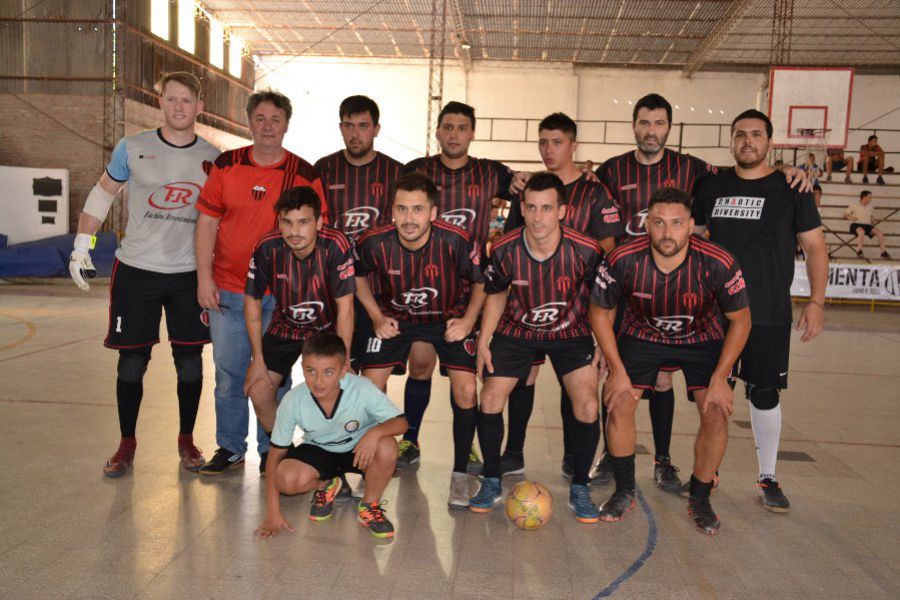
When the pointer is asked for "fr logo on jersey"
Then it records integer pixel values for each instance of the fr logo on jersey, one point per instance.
(360, 218)
(173, 196)
(459, 217)
(637, 225)
(306, 312)
(544, 315)
(416, 298)
(673, 326)
(259, 192)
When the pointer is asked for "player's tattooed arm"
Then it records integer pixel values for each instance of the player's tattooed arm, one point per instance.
(812, 318)
(257, 373)
(204, 244)
(719, 395)
(458, 329)
(384, 326)
(274, 521)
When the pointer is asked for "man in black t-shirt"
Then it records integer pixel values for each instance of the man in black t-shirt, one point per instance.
(671, 287)
(751, 211)
(430, 290)
(308, 268)
(538, 284)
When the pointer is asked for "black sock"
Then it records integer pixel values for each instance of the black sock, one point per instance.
(520, 407)
(463, 435)
(188, 404)
(585, 437)
(623, 470)
(662, 412)
(416, 397)
(700, 489)
(604, 421)
(490, 436)
(568, 423)
(128, 397)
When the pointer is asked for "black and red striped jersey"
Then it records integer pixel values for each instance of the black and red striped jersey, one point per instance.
(680, 307)
(431, 284)
(631, 183)
(466, 193)
(359, 196)
(304, 289)
(589, 208)
(548, 299)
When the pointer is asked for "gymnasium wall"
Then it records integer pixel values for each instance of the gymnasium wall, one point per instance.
(316, 87)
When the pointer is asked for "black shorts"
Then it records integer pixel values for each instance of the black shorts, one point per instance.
(867, 229)
(393, 352)
(643, 360)
(136, 301)
(328, 464)
(617, 326)
(764, 361)
(362, 325)
(280, 354)
(873, 164)
(838, 164)
(513, 357)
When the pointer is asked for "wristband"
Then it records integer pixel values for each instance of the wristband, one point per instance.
(84, 243)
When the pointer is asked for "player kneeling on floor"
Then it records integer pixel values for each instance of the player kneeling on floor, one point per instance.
(674, 284)
(348, 426)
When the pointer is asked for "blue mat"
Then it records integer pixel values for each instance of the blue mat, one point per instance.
(49, 257)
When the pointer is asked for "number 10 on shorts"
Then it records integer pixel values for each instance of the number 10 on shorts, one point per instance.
(373, 345)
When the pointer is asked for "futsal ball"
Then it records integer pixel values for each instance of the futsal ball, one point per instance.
(529, 505)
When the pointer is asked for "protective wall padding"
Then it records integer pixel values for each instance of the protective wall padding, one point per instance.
(50, 257)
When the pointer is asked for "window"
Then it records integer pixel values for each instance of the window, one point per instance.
(235, 52)
(216, 43)
(186, 26)
(159, 18)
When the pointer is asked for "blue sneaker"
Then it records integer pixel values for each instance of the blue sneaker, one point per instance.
(488, 495)
(580, 502)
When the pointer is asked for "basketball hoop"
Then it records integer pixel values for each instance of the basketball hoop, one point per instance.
(814, 140)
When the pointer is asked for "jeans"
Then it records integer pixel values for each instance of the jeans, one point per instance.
(231, 356)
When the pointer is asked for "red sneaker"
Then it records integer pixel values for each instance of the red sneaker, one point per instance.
(118, 463)
(191, 456)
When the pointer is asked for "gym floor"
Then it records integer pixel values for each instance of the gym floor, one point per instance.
(66, 531)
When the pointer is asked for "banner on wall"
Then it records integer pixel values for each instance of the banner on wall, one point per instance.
(856, 281)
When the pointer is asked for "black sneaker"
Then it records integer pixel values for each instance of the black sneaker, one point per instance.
(322, 506)
(773, 498)
(512, 464)
(568, 467)
(373, 517)
(618, 504)
(704, 517)
(263, 458)
(221, 461)
(602, 472)
(865, 179)
(665, 474)
(885, 255)
(880, 180)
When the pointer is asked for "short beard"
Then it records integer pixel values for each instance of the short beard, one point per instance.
(658, 248)
(361, 153)
(750, 164)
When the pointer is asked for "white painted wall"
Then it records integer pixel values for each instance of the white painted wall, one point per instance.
(316, 87)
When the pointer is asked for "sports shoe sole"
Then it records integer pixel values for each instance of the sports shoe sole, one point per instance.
(587, 520)
(380, 536)
(115, 474)
(461, 505)
(617, 519)
(776, 509)
(514, 472)
(483, 510)
(240, 463)
(320, 519)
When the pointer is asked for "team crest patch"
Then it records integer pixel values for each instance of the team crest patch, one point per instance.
(469, 346)
(351, 426)
(258, 192)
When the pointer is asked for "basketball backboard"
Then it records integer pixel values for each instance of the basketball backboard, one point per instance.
(806, 99)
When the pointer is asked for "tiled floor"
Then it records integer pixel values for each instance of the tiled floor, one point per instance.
(160, 532)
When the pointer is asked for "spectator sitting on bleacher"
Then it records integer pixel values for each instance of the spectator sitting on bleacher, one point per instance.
(813, 172)
(861, 223)
(871, 158)
(835, 159)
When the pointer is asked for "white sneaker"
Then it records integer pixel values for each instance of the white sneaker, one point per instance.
(459, 490)
(360, 490)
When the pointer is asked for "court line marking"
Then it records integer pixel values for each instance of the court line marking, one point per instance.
(29, 333)
(69, 343)
(652, 536)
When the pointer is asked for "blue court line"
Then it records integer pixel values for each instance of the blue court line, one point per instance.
(640, 560)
